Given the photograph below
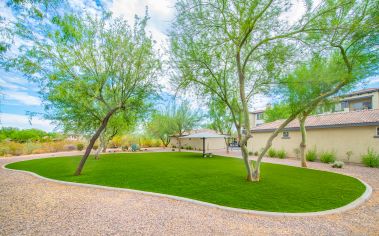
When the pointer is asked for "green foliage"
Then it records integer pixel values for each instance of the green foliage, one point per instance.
(250, 153)
(134, 147)
(311, 155)
(281, 154)
(272, 152)
(276, 112)
(327, 157)
(220, 117)
(161, 126)
(215, 180)
(27, 135)
(371, 158)
(80, 146)
(89, 67)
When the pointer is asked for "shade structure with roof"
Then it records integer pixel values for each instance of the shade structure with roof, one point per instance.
(203, 136)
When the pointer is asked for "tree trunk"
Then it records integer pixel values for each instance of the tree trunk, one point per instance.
(303, 143)
(102, 141)
(256, 167)
(180, 144)
(93, 140)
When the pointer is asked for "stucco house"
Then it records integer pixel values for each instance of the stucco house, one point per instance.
(197, 144)
(340, 132)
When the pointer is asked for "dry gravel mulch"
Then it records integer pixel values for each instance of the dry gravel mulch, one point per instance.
(32, 206)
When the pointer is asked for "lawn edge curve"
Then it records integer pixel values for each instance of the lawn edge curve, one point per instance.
(357, 202)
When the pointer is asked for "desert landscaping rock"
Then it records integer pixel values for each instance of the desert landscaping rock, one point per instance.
(33, 206)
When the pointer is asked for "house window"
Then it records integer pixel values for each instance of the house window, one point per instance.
(286, 134)
(377, 131)
(260, 116)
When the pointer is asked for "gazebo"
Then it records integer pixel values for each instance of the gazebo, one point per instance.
(205, 135)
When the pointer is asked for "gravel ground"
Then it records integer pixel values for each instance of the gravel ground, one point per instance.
(32, 206)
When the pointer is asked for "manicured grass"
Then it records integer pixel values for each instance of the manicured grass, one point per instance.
(218, 180)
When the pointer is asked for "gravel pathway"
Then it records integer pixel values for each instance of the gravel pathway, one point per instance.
(32, 206)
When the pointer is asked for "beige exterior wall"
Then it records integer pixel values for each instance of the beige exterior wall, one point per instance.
(197, 143)
(340, 140)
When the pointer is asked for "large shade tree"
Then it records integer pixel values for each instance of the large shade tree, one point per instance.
(233, 50)
(90, 66)
(347, 34)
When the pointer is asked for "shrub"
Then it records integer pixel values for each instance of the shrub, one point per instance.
(250, 153)
(256, 153)
(338, 164)
(173, 146)
(125, 148)
(281, 154)
(297, 152)
(95, 147)
(190, 148)
(371, 158)
(69, 147)
(311, 155)
(348, 155)
(80, 146)
(173, 149)
(327, 157)
(134, 147)
(271, 152)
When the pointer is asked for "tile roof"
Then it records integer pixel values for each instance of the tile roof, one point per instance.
(333, 120)
(363, 91)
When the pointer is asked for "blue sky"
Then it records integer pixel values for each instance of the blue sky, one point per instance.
(21, 96)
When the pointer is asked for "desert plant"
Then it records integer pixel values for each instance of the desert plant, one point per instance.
(371, 158)
(311, 155)
(348, 155)
(80, 146)
(297, 152)
(271, 152)
(134, 147)
(327, 157)
(281, 154)
(338, 164)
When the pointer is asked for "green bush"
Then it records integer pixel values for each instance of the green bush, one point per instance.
(281, 154)
(371, 158)
(250, 153)
(95, 147)
(271, 152)
(256, 153)
(311, 155)
(134, 147)
(80, 146)
(327, 157)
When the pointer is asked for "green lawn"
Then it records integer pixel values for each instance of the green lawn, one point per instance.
(218, 180)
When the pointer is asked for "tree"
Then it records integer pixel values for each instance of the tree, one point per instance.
(117, 125)
(221, 119)
(233, 50)
(276, 112)
(161, 126)
(348, 35)
(183, 120)
(90, 67)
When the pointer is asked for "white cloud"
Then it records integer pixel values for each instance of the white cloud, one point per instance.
(373, 80)
(22, 97)
(23, 122)
(7, 85)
